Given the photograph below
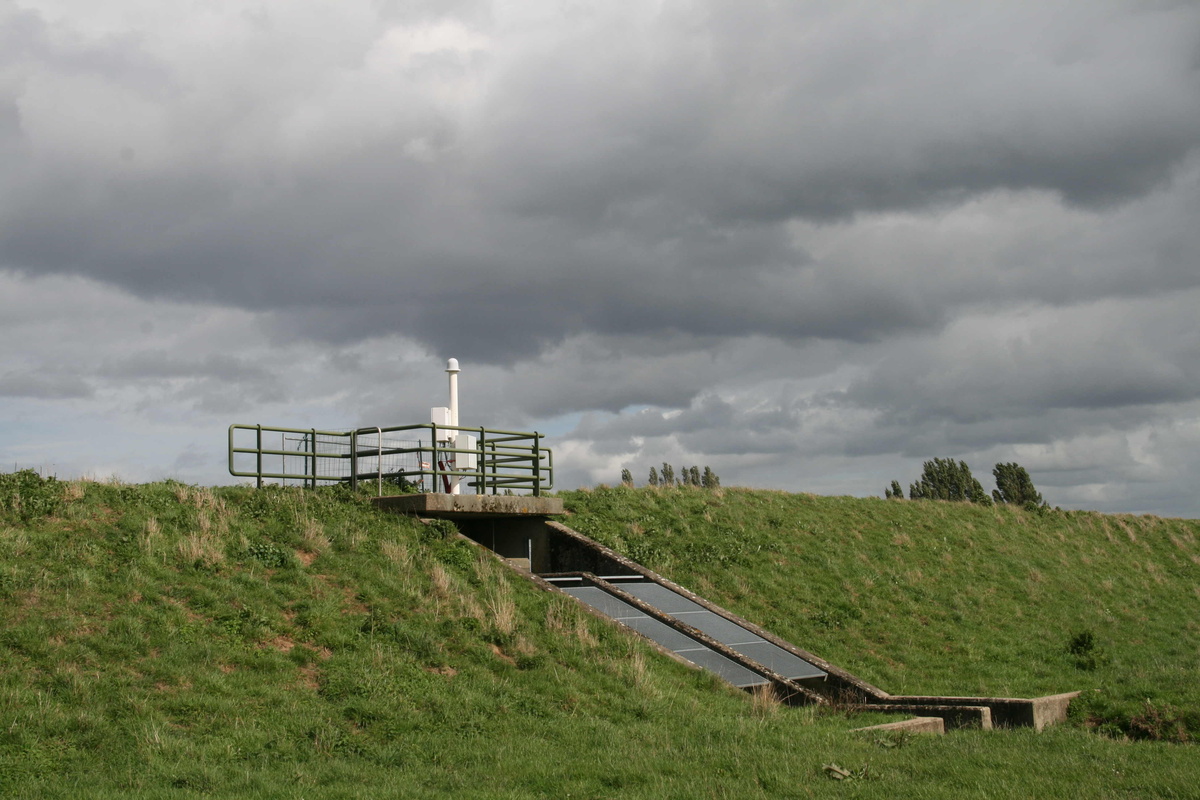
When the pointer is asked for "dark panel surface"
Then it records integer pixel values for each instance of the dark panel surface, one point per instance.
(728, 633)
(696, 652)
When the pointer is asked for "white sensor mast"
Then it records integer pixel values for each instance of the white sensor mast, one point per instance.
(452, 370)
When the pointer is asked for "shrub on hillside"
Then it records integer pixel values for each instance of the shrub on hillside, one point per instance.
(27, 495)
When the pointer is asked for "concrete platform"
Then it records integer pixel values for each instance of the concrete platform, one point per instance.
(471, 506)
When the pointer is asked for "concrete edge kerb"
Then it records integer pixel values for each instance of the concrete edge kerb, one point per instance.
(470, 505)
(934, 725)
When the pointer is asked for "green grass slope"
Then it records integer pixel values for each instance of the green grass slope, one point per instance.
(165, 640)
(924, 597)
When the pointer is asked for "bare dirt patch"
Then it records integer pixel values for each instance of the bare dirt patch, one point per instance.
(281, 643)
(503, 656)
(310, 677)
(352, 604)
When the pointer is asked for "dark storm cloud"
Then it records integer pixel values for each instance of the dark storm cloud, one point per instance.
(159, 365)
(811, 243)
(631, 173)
(821, 111)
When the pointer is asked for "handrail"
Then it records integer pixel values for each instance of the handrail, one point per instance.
(503, 460)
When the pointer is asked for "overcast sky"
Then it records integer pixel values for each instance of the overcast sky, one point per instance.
(811, 245)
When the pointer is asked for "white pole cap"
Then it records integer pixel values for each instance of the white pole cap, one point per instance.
(452, 365)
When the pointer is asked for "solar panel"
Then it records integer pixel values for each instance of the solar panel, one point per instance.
(662, 598)
(693, 650)
(728, 633)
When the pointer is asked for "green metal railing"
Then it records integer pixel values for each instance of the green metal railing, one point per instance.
(413, 455)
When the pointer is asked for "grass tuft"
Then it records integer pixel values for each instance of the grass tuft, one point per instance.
(200, 550)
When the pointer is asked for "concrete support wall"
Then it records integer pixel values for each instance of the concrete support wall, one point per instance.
(513, 538)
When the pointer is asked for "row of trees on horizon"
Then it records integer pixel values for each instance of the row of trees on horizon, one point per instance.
(941, 479)
(947, 479)
(688, 476)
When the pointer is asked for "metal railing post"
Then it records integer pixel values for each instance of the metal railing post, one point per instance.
(434, 465)
(354, 460)
(378, 461)
(481, 464)
(537, 465)
(495, 468)
(258, 459)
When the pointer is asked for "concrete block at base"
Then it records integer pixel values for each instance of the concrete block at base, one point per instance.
(915, 725)
(1051, 709)
(954, 716)
(450, 506)
(1007, 712)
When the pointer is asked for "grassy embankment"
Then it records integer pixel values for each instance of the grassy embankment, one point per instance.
(173, 641)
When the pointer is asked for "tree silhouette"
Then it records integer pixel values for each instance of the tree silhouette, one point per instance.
(947, 479)
(1015, 487)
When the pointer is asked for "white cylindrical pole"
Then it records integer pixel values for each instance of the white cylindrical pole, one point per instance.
(452, 370)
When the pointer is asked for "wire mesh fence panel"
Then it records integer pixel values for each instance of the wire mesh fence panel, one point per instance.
(320, 456)
(398, 461)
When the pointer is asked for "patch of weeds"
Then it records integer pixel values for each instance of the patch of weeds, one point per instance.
(269, 555)
(643, 552)
(455, 553)
(1086, 654)
(837, 615)
(190, 632)
(29, 496)
(246, 623)
(527, 661)
(265, 503)
(891, 740)
(1160, 723)
(464, 627)
(375, 623)
(839, 773)
(439, 530)
(441, 535)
